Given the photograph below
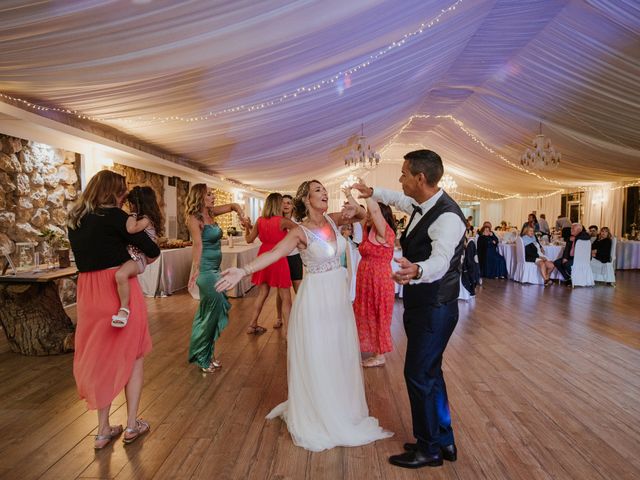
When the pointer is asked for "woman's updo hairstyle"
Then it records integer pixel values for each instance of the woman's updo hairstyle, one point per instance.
(300, 210)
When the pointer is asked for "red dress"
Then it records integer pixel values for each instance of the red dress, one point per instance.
(375, 293)
(277, 274)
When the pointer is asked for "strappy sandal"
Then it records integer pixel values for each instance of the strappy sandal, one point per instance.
(213, 366)
(102, 441)
(256, 330)
(140, 429)
(120, 321)
(374, 362)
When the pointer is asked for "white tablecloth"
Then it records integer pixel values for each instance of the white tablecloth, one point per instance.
(167, 274)
(627, 254)
(508, 251)
(237, 256)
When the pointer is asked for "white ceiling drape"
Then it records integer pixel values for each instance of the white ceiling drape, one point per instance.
(497, 66)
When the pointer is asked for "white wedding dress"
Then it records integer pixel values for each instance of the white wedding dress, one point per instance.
(326, 407)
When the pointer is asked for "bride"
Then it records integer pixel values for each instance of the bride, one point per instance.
(326, 407)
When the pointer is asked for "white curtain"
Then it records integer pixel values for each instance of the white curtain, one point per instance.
(603, 207)
(516, 210)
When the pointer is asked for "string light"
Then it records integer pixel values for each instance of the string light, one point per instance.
(480, 142)
(303, 90)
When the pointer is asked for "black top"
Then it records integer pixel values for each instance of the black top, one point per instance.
(603, 249)
(102, 238)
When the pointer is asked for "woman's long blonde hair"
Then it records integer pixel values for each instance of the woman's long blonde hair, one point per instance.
(195, 202)
(102, 190)
(272, 205)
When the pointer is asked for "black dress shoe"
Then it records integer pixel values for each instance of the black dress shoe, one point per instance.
(449, 453)
(416, 459)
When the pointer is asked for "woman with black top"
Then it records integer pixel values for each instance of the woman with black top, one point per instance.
(601, 248)
(108, 359)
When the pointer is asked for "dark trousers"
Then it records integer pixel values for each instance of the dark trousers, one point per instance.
(428, 331)
(564, 268)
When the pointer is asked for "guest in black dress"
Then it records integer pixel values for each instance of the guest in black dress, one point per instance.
(601, 248)
(492, 264)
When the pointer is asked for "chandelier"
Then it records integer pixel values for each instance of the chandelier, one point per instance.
(447, 183)
(543, 156)
(363, 156)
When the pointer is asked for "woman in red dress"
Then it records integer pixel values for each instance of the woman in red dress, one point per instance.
(271, 227)
(375, 291)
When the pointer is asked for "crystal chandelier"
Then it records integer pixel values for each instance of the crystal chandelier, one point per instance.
(543, 156)
(363, 156)
(447, 183)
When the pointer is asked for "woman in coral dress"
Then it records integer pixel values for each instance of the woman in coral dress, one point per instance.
(375, 290)
(271, 227)
(108, 359)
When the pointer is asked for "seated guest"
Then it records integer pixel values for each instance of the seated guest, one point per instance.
(469, 225)
(601, 247)
(564, 263)
(544, 225)
(492, 264)
(532, 222)
(593, 233)
(533, 252)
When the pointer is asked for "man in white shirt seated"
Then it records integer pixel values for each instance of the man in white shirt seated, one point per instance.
(593, 233)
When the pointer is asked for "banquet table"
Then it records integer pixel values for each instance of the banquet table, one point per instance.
(627, 254)
(238, 256)
(167, 274)
(508, 251)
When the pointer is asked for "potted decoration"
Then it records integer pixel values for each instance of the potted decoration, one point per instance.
(58, 243)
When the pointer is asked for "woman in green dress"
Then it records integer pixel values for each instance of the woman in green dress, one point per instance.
(211, 316)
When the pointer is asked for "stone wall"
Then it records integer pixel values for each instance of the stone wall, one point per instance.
(38, 183)
(139, 178)
(182, 191)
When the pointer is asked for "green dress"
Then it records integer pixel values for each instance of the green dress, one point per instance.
(211, 317)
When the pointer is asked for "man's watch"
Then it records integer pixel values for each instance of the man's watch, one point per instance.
(419, 274)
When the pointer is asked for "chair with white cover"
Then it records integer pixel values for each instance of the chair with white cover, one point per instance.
(581, 274)
(605, 272)
(525, 272)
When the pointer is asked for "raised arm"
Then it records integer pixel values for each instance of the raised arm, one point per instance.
(231, 276)
(135, 225)
(388, 197)
(229, 207)
(251, 234)
(352, 212)
(195, 231)
(378, 220)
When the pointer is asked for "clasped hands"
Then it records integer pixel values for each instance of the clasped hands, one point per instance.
(406, 272)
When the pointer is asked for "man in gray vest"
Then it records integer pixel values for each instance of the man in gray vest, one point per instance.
(432, 246)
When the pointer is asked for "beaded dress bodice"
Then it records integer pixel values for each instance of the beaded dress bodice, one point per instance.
(322, 255)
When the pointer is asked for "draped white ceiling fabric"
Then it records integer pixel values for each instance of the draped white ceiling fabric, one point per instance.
(489, 69)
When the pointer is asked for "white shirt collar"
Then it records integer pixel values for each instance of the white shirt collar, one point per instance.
(428, 204)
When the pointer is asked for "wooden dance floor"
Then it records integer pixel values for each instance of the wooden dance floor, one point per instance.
(543, 383)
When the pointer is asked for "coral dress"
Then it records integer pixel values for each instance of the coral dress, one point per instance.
(375, 293)
(104, 356)
(277, 274)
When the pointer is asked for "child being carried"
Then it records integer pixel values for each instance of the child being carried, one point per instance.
(145, 216)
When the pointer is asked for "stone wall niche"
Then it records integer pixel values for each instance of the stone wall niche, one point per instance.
(38, 184)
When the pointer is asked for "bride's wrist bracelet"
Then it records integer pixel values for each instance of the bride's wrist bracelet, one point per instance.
(248, 270)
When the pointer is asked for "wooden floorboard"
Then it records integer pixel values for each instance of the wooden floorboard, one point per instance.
(543, 383)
